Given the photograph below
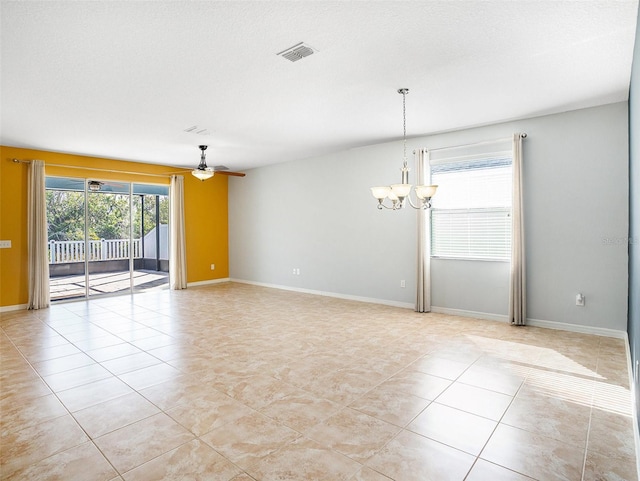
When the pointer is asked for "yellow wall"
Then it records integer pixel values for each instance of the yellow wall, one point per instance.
(206, 214)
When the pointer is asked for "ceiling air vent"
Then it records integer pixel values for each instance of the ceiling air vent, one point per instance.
(197, 130)
(297, 52)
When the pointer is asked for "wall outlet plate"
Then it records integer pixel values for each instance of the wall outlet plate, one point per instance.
(5, 244)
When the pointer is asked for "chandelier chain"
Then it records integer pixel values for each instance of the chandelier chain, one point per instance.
(404, 126)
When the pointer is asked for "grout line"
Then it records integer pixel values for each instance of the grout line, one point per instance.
(244, 325)
(69, 413)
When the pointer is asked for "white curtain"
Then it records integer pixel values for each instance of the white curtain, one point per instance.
(517, 284)
(37, 245)
(423, 297)
(177, 255)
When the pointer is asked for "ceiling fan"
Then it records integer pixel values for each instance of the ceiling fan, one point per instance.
(95, 185)
(203, 172)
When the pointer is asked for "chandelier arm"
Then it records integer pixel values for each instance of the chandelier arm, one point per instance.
(396, 204)
(381, 205)
(425, 203)
(412, 204)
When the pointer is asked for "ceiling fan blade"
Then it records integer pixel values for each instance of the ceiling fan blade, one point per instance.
(223, 172)
(228, 172)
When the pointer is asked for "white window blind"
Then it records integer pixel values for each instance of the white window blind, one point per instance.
(471, 216)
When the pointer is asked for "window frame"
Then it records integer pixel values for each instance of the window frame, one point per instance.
(482, 157)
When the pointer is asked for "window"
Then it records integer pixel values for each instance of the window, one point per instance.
(471, 216)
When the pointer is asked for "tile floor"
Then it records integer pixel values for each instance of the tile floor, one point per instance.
(238, 382)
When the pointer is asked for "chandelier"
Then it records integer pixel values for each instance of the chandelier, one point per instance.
(399, 193)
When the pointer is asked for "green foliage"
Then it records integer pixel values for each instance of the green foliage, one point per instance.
(65, 215)
(108, 215)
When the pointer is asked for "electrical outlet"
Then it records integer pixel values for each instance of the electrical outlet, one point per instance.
(5, 244)
(213, 267)
(403, 283)
(579, 300)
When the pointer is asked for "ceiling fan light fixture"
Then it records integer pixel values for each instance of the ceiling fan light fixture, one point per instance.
(202, 172)
(94, 185)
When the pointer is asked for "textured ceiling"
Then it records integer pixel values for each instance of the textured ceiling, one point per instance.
(125, 79)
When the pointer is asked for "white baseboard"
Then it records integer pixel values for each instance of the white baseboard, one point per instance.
(336, 295)
(563, 326)
(476, 315)
(560, 326)
(17, 307)
(209, 282)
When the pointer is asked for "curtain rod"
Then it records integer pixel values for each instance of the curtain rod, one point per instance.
(522, 136)
(18, 161)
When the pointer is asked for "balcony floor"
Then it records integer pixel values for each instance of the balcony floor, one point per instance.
(72, 287)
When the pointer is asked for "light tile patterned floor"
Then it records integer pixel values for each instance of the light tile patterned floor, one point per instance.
(238, 382)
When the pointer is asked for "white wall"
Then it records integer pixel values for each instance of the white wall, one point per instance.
(318, 215)
(149, 241)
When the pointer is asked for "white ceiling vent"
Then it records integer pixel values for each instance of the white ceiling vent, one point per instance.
(297, 52)
(197, 130)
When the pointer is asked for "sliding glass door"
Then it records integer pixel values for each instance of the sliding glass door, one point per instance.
(151, 236)
(106, 237)
(66, 206)
(109, 245)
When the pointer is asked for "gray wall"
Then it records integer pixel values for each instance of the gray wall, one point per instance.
(318, 215)
(634, 216)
